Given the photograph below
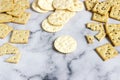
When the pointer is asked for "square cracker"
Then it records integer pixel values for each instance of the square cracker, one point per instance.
(115, 38)
(14, 59)
(90, 39)
(17, 11)
(100, 18)
(6, 5)
(90, 4)
(115, 12)
(7, 48)
(102, 8)
(20, 36)
(112, 27)
(101, 35)
(23, 3)
(22, 19)
(5, 18)
(106, 51)
(4, 30)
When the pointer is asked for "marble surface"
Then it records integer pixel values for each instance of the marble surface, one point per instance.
(41, 62)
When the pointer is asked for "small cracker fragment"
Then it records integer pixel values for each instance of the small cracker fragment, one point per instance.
(115, 38)
(4, 30)
(102, 8)
(90, 39)
(106, 51)
(23, 3)
(62, 4)
(45, 4)
(5, 18)
(49, 27)
(77, 6)
(90, 4)
(112, 27)
(100, 18)
(115, 12)
(101, 35)
(20, 36)
(17, 11)
(22, 19)
(37, 8)
(7, 48)
(6, 5)
(14, 59)
(65, 44)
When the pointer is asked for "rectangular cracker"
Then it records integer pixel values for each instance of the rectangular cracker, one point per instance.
(101, 35)
(115, 38)
(115, 12)
(102, 8)
(4, 30)
(20, 36)
(22, 19)
(90, 4)
(106, 51)
(7, 48)
(112, 27)
(100, 18)
(90, 39)
(5, 18)
(17, 11)
(14, 59)
(6, 5)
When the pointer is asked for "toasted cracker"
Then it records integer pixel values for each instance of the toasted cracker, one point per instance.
(14, 59)
(6, 5)
(90, 39)
(22, 19)
(5, 18)
(115, 38)
(20, 36)
(23, 3)
(102, 8)
(101, 35)
(100, 18)
(4, 30)
(65, 44)
(106, 51)
(115, 12)
(90, 4)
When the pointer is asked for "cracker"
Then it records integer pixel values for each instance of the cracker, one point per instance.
(102, 8)
(106, 51)
(60, 17)
(100, 18)
(101, 35)
(62, 4)
(17, 11)
(45, 4)
(112, 27)
(20, 36)
(115, 12)
(36, 8)
(6, 5)
(115, 38)
(7, 48)
(23, 3)
(14, 59)
(90, 39)
(4, 30)
(65, 44)
(22, 19)
(5, 18)
(77, 6)
(90, 4)
(49, 27)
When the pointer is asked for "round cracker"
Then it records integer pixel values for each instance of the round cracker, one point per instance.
(65, 44)
(77, 6)
(50, 28)
(62, 4)
(60, 17)
(37, 8)
(45, 4)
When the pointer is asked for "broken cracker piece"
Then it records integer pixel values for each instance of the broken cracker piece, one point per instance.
(90, 39)
(5, 18)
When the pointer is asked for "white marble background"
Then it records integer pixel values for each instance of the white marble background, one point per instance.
(41, 62)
